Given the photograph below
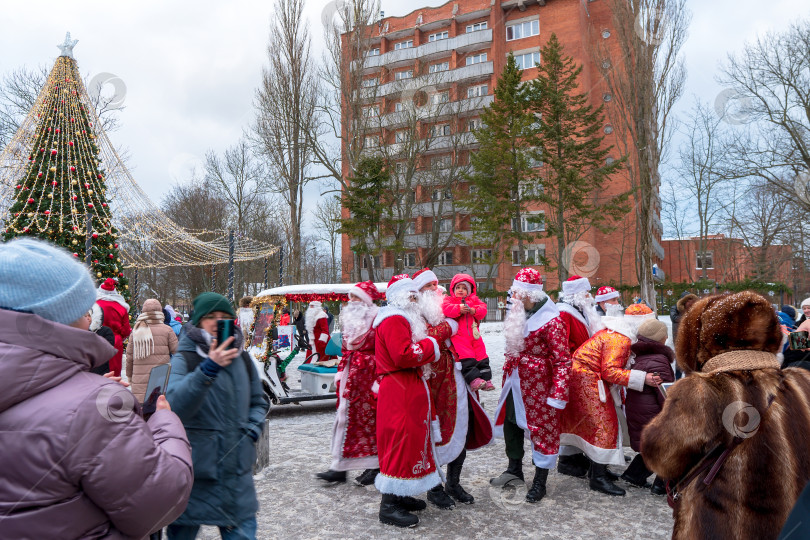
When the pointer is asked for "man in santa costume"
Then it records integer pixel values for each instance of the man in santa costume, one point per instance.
(578, 313)
(535, 382)
(116, 317)
(317, 325)
(606, 296)
(592, 422)
(405, 449)
(354, 434)
(459, 421)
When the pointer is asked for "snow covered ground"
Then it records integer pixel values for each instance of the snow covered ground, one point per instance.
(293, 504)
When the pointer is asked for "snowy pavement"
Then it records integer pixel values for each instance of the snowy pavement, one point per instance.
(293, 504)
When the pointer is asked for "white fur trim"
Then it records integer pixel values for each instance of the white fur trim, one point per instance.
(523, 286)
(620, 326)
(450, 451)
(544, 461)
(576, 286)
(391, 311)
(340, 463)
(542, 317)
(338, 376)
(97, 317)
(436, 350)
(324, 337)
(361, 294)
(375, 387)
(111, 296)
(636, 381)
(406, 487)
(404, 284)
(425, 278)
(556, 403)
(605, 456)
(574, 312)
(453, 326)
(606, 296)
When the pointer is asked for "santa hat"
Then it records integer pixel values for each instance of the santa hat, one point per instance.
(399, 284)
(606, 293)
(108, 285)
(575, 284)
(529, 280)
(315, 304)
(638, 313)
(423, 277)
(365, 291)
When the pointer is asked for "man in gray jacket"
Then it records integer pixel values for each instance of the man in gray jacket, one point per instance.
(77, 461)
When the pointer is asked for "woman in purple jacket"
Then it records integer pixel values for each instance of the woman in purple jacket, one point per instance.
(77, 460)
(641, 407)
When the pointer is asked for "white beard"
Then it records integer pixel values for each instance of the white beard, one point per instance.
(513, 327)
(414, 312)
(431, 302)
(592, 317)
(356, 319)
(311, 316)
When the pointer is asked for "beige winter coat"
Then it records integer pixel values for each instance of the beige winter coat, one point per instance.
(165, 345)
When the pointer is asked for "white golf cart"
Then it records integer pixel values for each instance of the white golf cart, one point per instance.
(273, 357)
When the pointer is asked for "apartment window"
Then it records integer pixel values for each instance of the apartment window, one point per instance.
(445, 258)
(441, 97)
(409, 260)
(445, 225)
(407, 197)
(401, 136)
(441, 66)
(473, 190)
(410, 228)
(407, 74)
(407, 44)
(441, 194)
(474, 124)
(371, 141)
(438, 36)
(399, 168)
(528, 60)
(532, 255)
(705, 260)
(369, 82)
(441, 162)
(377, 262)
(373, 52)
(522, 30)
(372, 112)
(480, 256)
(476, 58)
(536, 225)
(440, 130)
(475, 27)
(477, 91)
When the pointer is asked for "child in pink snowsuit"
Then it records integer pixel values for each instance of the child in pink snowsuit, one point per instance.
(465, 307)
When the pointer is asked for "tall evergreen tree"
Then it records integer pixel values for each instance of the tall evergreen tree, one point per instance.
(502, 167)
(64, 184)
(575, 167)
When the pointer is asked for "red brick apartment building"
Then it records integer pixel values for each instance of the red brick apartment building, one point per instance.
(468, 42)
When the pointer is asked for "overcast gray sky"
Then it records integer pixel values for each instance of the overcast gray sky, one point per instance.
(191, 67)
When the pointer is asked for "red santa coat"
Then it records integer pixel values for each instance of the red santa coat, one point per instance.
(116, 318)
(588, 423)
(354, 434)
(318, 339)
(451, 399)
(575, 325)
(407, 465)
(538, 377)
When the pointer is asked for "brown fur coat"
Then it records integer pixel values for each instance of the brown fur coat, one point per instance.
(727, 346)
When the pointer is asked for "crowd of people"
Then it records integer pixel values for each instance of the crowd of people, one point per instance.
(582, 379)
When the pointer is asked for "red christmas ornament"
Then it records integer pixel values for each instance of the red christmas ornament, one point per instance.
(95, 235)
(74, 198)
(86, 185)
(41, 150)
(120, 274)
(70, 143)
(72, 119)
(84, 132)
(89, 205)
(111, 255)
(104, 204)
(25, 229)
(75, 228)
(57, 130)
(72, 169)
(75, 254)
(39, 175)
(116, 245)
(99, 176)
(47, 212)
(90, 124)
(18, 186)
(49, 130)
(53, 152)
(54, 183)
(30, 201)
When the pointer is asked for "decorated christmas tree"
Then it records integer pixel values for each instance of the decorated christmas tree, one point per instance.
(63, 187)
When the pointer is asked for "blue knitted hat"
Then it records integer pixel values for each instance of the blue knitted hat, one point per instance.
(36, 277)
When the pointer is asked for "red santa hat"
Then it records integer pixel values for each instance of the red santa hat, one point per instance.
(528, 279)
(399, 284)
(365, 291)
(108, 285)
(423, 277)
(606, 293)
(575, 284)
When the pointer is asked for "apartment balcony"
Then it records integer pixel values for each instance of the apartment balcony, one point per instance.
(431, 82)
(460, 43)
(508, 5)
(430, 111)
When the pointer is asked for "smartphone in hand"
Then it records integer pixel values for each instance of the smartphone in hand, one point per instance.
(156, 387)
(224, 331)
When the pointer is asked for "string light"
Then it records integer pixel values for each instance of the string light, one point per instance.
(62, 141)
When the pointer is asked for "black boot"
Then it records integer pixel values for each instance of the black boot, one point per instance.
(367, 478)
(512, 473)
(538, 489)
(658, 487)
(332, 476)
(574, 465)
(453, 487)
(411, 504)
(438, 497)
(600, 482)
(392, 514)
(636, 473)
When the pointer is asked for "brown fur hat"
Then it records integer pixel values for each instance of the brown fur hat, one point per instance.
(726, 322)
(245, 301)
